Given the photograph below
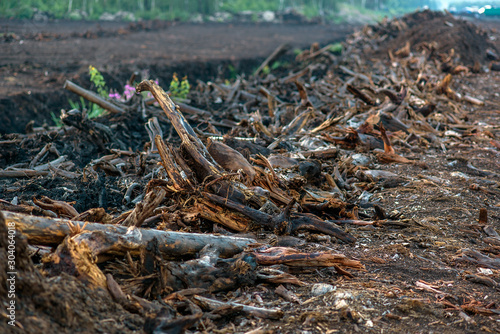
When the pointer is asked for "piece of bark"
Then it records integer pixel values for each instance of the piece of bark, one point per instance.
(96, 215)
(361, 95)
(119, 296)
(389, 155)
(63, 209)
(52, 231)
(145, 208)
(482, 280)
(287, 294)
(294, 258)
(483, 216)
(230, 159)
(212, 304)
(471, 255)
(21, 208)
(444, 84)
(161, 323)
(76, 259)
(64, 173)
(298, 123)
(216, 214)
(174, 171)
(275, 276)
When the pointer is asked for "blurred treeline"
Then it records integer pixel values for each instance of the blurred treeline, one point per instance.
(186, 9)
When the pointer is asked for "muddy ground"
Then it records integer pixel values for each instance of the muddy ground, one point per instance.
(435, 202)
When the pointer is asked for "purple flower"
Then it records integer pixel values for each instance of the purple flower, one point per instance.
(129, 92)
(115, 96)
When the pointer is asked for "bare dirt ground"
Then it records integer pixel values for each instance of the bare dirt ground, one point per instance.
(36, 58)
(430, 266)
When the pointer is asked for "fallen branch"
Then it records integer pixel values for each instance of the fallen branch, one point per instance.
(92, 97)
(22, 173)
(212, 304)
(294, 258)
(119, 239)
(276, 53)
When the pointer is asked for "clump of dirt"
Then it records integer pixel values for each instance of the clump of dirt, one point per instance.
(438, 32)
(62, 304)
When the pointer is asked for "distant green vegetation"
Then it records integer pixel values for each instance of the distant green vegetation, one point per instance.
(186, 9)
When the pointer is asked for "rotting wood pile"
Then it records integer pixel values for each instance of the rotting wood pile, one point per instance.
(266, 206)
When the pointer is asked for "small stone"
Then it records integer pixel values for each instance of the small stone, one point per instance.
(359, 159)
(320, 289)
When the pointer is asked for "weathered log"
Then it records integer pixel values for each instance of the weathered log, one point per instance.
(52, 231)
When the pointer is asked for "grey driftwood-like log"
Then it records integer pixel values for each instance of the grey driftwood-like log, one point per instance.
(52, 231)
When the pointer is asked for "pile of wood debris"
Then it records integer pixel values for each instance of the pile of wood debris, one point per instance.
(241, 195)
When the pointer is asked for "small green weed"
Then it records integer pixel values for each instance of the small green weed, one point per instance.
(98, 80)
(336, 48)
(266, 70)
(277, 64)
(57, 120)
(93, 110)
(179, 89)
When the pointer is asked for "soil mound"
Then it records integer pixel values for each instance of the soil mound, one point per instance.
(61, 305)
(436, 32)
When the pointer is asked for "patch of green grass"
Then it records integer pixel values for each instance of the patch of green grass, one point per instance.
(57, 120)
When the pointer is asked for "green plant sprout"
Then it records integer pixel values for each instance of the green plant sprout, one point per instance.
(179, 89)
(336, 48)
(57, 120)
(98, 80)
(100, 85)
(93, 110)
